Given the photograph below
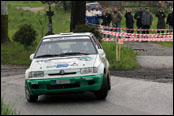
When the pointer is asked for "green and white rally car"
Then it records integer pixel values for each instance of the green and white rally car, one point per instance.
(68, 62)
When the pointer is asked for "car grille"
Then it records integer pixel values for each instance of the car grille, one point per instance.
(63, 86)
(66, 73)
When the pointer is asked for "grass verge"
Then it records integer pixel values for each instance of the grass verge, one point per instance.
(8, 109)
(167, 44)
(127, 57)
(14, 53)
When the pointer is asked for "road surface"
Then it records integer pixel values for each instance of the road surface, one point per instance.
(128, 96)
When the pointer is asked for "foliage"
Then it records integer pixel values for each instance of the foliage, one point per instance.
(14, 53)
(7, 109)
(85, 28)
(127, 56)
(61, 5)
(167, 44)
(17, 17)
(26, 35)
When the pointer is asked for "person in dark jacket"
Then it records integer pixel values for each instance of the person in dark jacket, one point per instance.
(146, 20)
(161, 17)
(129, 21)
(138, 17)
(106, 20)
(170, 19)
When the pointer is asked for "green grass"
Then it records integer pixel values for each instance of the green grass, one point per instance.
(8, 109)
(25, 3)
(167, 44)
(127, 57)
(17, 17)
(14, 53)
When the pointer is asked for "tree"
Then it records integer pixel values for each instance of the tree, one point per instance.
(78, 9)
(4, 22)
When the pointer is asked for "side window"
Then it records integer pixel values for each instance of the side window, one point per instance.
(97, 42)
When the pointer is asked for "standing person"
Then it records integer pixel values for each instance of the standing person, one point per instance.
(170, 20)
(116, 19)
(97, 15)
(146, 20)
(129, 21)
(106, 20)
(89, 16)
(161, 17)
(138, 17)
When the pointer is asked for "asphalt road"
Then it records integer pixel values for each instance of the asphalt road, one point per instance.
(128, 96)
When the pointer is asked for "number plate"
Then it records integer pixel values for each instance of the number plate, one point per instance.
(65, 81)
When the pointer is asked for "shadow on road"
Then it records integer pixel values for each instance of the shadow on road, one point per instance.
(69, 98)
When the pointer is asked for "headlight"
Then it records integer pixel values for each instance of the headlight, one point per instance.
(89, 70)
(36, 74)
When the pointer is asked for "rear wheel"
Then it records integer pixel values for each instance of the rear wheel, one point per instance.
(29, 97)
(103, 92)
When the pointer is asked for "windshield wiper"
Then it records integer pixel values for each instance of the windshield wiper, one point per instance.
(48, 55)
(61, 55)
(73, 53)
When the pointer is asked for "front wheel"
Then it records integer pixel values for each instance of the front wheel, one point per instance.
(29, 97)
(103, 92)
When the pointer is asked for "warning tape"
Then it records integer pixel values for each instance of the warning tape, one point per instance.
(135, 34)
(126, 29)
(107, 27)
(140, 39)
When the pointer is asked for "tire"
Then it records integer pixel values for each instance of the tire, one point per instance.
(103, 92)
(109, 82)
(29, 97)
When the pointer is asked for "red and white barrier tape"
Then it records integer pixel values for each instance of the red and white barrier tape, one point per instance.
(135, 35)
(140, 39)
(106, 27)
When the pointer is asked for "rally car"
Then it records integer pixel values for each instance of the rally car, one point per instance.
(68, 62)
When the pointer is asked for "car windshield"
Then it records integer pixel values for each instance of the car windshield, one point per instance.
(65, 46)
(93, 6)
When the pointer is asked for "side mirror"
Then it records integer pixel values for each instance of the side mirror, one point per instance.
(101, 52)
(31, 56)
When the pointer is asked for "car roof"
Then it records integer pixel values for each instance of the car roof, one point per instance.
(92, 3)
(68, 34)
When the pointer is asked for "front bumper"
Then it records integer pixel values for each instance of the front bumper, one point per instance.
(48, 86)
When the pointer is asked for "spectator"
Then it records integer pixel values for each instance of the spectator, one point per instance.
(146, 20)
(97, 15)
(129, 21)
(106, 20)
(138, 17)
(170, 19)
(89, 16)
(161, 17)
(116, 19)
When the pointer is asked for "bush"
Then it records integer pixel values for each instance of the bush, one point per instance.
(26, 35)
(85, 28)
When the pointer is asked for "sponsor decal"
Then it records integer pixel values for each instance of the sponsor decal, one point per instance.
(61, 65)
(52, 66)
(85, 58)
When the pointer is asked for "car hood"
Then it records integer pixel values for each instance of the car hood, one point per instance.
(70, 62)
